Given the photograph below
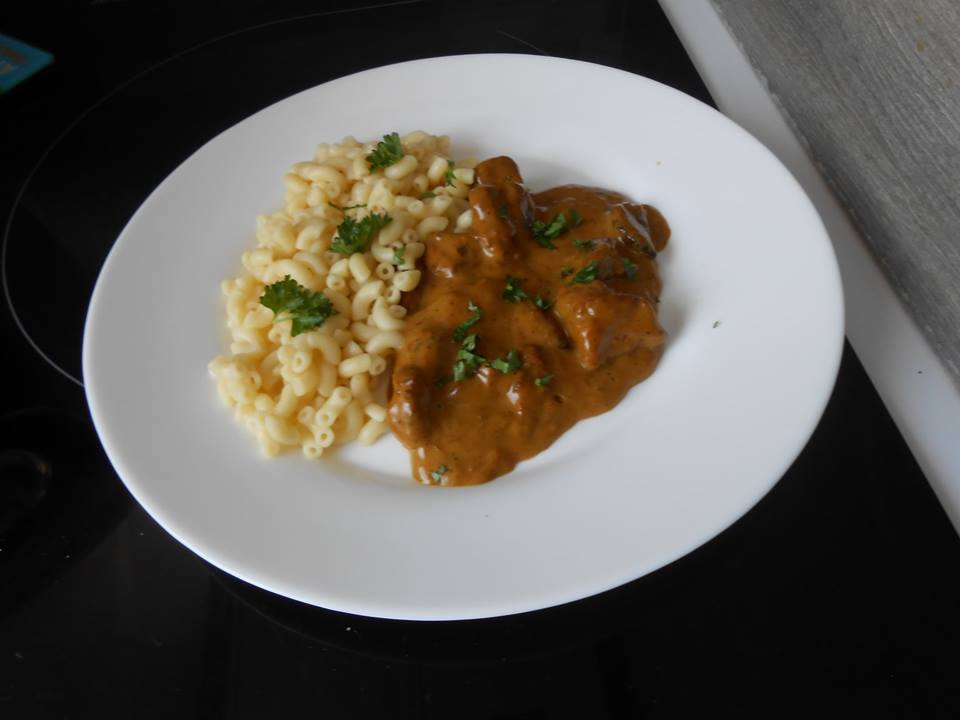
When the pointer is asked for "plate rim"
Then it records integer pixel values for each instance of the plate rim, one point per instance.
(213, 555)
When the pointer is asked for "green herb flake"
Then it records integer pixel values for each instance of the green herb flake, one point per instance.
(449, 177)
(290, 300)
(583, 244)
(542, 303)
(438, 474)
(543, 381)
(565, 270)
(388, 151)
(502, 212)
(512, 292)
(716, 323)
(398, 255)
(468, 362)
(546, 232)
(587, 275)
(630, 269)
(511, 363)
(354, 235)
(461, 330)
(427, 195)
(345, 207)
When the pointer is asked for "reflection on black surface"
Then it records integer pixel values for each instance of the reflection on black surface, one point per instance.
(469, 643)
(58, 497)
(24, 484)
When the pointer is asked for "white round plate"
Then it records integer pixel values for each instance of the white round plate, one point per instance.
(752, 304)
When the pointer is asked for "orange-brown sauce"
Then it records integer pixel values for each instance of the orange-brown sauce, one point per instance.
(595, 341)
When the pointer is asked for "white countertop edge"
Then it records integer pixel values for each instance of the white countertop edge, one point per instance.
(917, 390)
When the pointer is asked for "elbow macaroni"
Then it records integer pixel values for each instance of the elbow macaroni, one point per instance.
(326, 386)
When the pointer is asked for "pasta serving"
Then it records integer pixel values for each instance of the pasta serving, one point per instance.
(316, 315)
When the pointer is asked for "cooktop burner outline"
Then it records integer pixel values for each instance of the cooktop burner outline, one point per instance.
(4, 240)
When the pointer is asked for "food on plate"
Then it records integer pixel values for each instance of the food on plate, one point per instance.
(542, 313)
(399, 289)
(317, 313)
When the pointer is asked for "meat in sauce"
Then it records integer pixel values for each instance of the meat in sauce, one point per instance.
(567, 324)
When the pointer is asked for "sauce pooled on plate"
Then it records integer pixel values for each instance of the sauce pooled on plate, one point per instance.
(543, 314)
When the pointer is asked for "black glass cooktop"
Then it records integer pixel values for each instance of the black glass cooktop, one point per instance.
(838, 594)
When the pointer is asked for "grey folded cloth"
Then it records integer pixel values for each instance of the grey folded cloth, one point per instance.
(873, 91)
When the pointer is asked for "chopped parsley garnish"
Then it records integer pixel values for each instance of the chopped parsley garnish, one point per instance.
(511, 363)
(398, 253)
(461, 330)
(649, 252)
(427, 195)
(512, 292)
(716, 323)
(629, 269)
(542, 303)
(438, 474)
(388, 151)
(583, 244)
(543, 381)
(289, 299)
(449, 177)
(353, 235)
(587, 275)
(502, 212)
(468, 362)
(345, 207)
(565, 270)
(545, 233)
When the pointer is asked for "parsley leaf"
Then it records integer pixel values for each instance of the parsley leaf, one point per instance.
(461, 330)
(543, 381)
(427, 195)
(630, 269)
(565, 270)
(353, 235)
(546, 232)
(468, 362)
(388, 151)
(542, 303)
(583, 244)
(398, 253)
(438, 474)
(449, 177)
(502, 212)
(306, 308)
(512, 292)
(345, 207)
(511, 363)
(587, 274)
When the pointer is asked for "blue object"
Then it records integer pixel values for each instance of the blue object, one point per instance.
(18, 61)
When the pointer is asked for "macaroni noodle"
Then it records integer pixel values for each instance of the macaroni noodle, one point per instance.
(326, 386)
